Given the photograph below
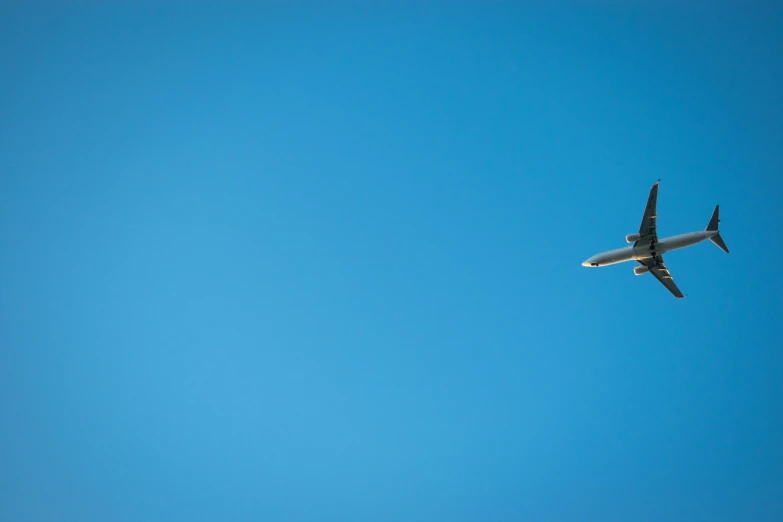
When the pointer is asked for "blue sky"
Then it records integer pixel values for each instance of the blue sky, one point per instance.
(267, 263)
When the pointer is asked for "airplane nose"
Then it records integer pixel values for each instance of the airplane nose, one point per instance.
(586, 263)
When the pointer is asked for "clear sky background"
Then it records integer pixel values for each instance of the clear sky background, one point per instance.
(294, 264)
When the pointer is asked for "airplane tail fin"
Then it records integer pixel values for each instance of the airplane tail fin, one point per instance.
(713, 227)
(714, 219)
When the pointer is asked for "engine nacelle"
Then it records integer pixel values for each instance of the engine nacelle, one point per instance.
(639, 270)
(630, 238)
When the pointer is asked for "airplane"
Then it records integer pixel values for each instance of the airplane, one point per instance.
(648, 250)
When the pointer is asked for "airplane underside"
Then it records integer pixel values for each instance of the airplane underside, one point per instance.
(647, 249)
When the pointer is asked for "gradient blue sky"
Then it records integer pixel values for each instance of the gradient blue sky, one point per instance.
(266, 263)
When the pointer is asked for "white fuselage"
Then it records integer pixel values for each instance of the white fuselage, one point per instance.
(643, 251)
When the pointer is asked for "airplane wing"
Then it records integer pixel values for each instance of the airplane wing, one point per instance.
(661, 273)
(647, 230)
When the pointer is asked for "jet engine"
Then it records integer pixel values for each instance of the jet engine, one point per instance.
(639, 270)
(630, 238)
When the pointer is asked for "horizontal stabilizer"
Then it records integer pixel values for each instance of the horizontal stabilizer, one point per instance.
(719, 242)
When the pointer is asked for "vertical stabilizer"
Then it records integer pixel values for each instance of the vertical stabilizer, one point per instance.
(713, 227)
(714, 220)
